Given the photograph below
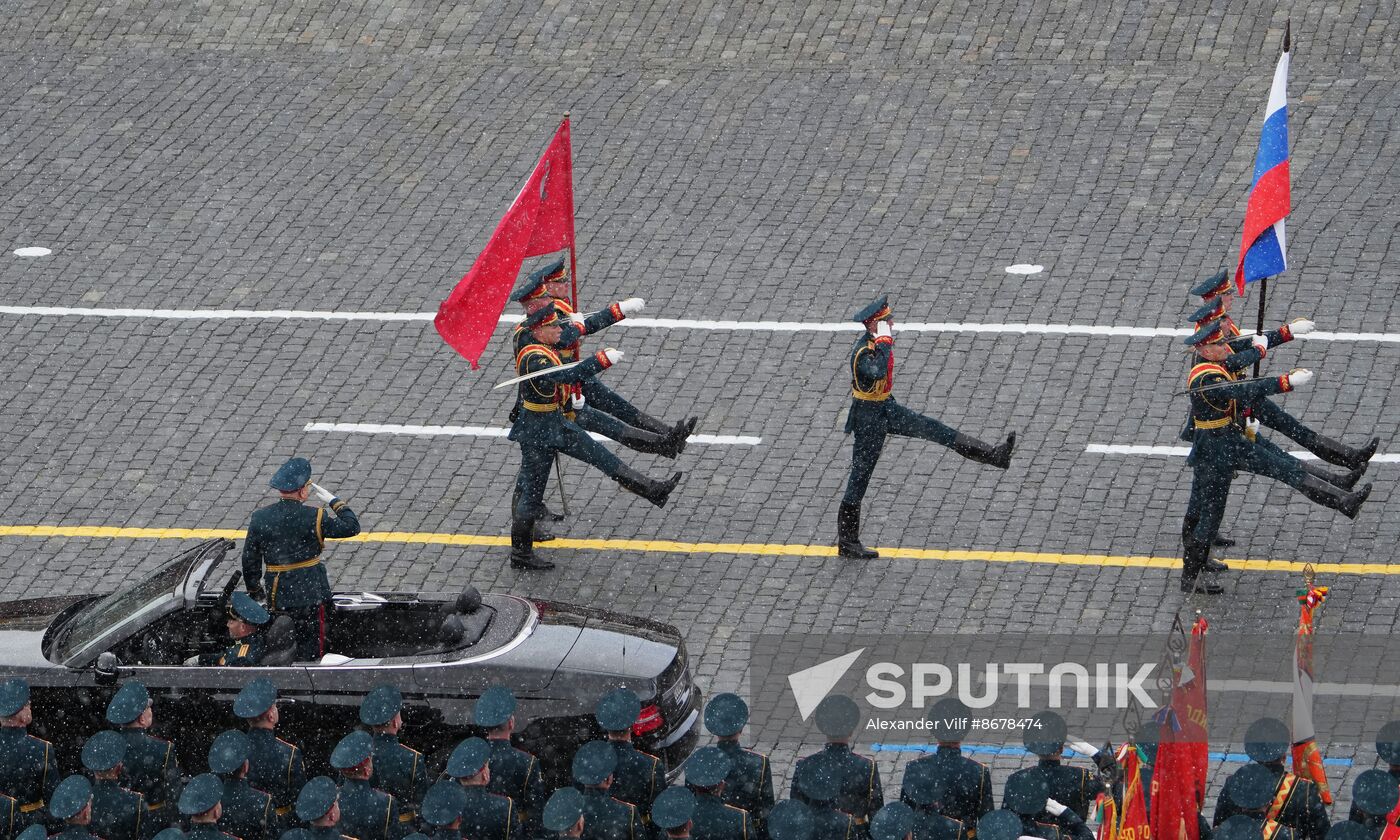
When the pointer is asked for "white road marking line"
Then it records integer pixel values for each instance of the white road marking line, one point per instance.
(662, 323)
(490, 431)
(32, 251)
(1024, 268)
(1183, 451)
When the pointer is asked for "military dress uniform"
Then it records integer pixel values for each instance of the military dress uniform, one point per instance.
(1291, 801)
(875, 414)
(924, 793)
(639, 777)
(28, 767)
(150, 766)
(485, 815)
(248, 812)
(274, 765)
(69, 798)
(1074, 787)
(1374, 795)
(858, 781)
(398, 768)
(604, 817)
(561, 813)
(965, 785)
(442, 810)
(117, 813)
(201, 796)
(514, 772)
(247, 650)
(365, 811)
(749, 784)
(818, 792)
(1026, 797)
(314, 802)
(705, 770)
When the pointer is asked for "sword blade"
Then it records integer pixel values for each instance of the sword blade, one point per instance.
(536, 374)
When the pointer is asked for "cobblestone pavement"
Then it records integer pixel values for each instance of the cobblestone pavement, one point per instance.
(751, 161)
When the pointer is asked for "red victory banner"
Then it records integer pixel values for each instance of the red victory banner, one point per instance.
(1179, 774)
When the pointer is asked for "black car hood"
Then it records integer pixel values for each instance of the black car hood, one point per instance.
(22, 626)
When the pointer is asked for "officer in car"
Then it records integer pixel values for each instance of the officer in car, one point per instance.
(246, 619)
(274, 765)
(28, 768)
(514, 772)
(705, 772)
(116, 811)
(318, 806)
(150, 767)
(673, 813)
(640, 776)
(71, 804)
(248, 812)
(200, 803)
(366, 812)
(562, 816)
(442, 810)
(749, 784)
(485, 815)
(861, 795)
(283, 550)
(398, 769)
(604, 817)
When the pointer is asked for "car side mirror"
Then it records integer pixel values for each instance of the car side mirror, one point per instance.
(107, 667)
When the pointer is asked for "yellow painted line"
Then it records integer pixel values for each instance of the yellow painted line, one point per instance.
(753, 549)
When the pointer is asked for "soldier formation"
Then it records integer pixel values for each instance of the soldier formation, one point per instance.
(256, 786)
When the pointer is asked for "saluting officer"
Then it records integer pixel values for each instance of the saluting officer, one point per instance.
(792, 820)
(246, 619)
(819, 789)
(966, 784)
(318, 805)
(639, 776)
(924, 794)
(859, 780)
(750, 784)
(116, 812)
(201, 803)
(442, 809)
(1388, 750)
(604, 818)
(150, 767)
(1251, 794)
(28, 768)
(398, 768)
(283, 551)
(514, 772)
(563, 813)
(875, 414)
(705, 772)
(71, 804)
(1293, 802)
(486, 815)
(1374, 796)
(274, 765)
(247, 811)
(366, 812)
(894, 821)
(1074, 787)
(1028, 796)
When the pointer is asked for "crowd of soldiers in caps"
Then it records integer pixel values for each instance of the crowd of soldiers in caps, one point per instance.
(132, 787)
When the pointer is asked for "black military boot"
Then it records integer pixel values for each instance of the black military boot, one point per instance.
(651, 443)
(1346, 481)
(1347, 503)
(1336, 452)
(656, 492)
(1219, 541)
(1193, 566)
(984, 453)
(848, 543)
(522, 553)
(652, 424)
(542, 533)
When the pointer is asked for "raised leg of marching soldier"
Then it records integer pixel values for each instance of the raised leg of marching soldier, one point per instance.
(1272, 462)
(668, 444)
(607, 400)
(577, 444)
(1346, 480)
(1329, 450)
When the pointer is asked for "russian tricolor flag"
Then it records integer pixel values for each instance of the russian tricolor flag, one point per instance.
(1262, 248)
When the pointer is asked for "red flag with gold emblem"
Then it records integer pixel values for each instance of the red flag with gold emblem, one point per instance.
(1179, 774)
(1128, 821)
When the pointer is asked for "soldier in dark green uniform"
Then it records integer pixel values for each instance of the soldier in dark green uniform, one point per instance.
(858, 779)
(1388, 750)
(283, 550)
(639, 776)
(875, 415)
(998, 825)
(1374, 796)
(819, 791)
(200, 803)
(1250, 795)
(71, 805)
(318, 805)
(442, 810)
(28, 767)
(563, 814)
(792, 820)
(1294, 802)
(247, 811)
(604, 818)
(246, 619)
(705, 772)
(117, 813)
(894, 821)
(150, 766)
(485, 815)
(924, 793)
(673, 814)
(398, 769)
(514, 772)
(33, 832)
(366, 812)
(750, 784)
(965, 783)
(1027, 796)
(1073, 787)
(274, 765)
(541, 431)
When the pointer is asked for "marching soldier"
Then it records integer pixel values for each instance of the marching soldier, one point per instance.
(318, 806)
(1293, 802)
(71, 804)
(1388, 749)
(1074, 787)
(485, 815)
(639, 776)
(792, 820)
(201, 803)
(514, 772)
(674, 813)
(604, 818)
(1374, 796)
(246, 619)
(705, 772)
(924, 793)
(398, 769)
(1222, 446)
(541, 431)
(150, 766)
(366, 812)
(965, 783)
(116, 811)
(750, 784)
(28, 768)
(442, 809)
(894, 821)
(274, 765)
(286, 539)
(1028, 796)
(875, 414)
(247, 811)
(858, 780)
(1250, 794)
(563, 813)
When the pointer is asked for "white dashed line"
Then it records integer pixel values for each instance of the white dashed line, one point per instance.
(1183, 451)
(32, 251)
(490, 431)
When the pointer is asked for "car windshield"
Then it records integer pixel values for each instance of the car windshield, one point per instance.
(95, 619)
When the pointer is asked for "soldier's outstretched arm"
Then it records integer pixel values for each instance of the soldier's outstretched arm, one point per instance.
(1253, 389)
(590, 366)
(344, 524)
(596, 322)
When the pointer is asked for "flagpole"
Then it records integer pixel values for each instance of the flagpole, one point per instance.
(1264, 282)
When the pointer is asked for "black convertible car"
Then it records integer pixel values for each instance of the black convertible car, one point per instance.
(441, 650)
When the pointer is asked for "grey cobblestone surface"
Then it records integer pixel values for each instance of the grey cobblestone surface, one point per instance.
(733, 160)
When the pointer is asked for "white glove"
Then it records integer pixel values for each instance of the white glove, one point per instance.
(631, 306)
(577, 318)
(1054, 807)
(1260, 341)
(322, 495)
(1251, 426)
(613, 356)
(578, 400)
(1302, 326)
(1083, 747)
(882, 330)
(1298, 377)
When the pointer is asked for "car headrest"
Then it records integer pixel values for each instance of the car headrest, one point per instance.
(452, 631)
(280, 642)
(469, 601)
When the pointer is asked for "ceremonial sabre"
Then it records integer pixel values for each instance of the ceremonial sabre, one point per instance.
(536, 374)
(1217, 386)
